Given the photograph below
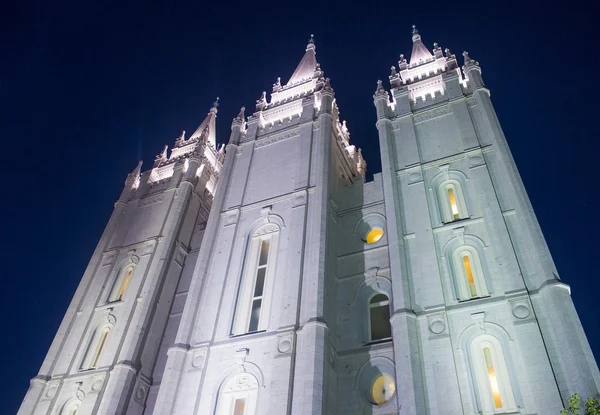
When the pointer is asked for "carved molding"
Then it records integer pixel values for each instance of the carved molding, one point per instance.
(151, 200)
(277, 138)
(437, 112)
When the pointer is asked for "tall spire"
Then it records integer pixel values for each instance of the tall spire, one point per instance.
(308, 64)
(208, 125)
(420, 53)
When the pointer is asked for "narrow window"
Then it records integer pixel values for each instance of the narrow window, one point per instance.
(492, 377)
(379, 317)
(95, 348)
(451, 201)
(121, 283)
(453, 205)
(239, 407)
(100, 349)
(469, 274)
(238, 396)
(259, 285)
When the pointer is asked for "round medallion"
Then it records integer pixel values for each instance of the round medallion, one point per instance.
(284, 346)
(198, 360)
(437, 326)
(140, 394)
(521, 311)
(51, 392)
(97, 385)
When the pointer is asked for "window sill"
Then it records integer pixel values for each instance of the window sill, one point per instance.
(250, 333)
(472, 299)
(379, 341)
(110, 304)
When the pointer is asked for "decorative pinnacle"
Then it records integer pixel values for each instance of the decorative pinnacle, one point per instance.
(215, 106)
(415, 31)
(312, 38)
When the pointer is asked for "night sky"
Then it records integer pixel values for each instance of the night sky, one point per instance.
(88, 90)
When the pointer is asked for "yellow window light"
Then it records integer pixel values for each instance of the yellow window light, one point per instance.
(374, 235)
(383, 389)
(492, 375)
(470, 278)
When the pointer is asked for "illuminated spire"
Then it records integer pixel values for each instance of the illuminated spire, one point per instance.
(208, 126)
(307, 66)
(420, 53)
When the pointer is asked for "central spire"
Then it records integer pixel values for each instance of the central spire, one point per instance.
(420, 53)
(307, 66)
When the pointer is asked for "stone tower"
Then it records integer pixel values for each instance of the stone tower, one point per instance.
(302, 289)
(105, 356)
(482, 323)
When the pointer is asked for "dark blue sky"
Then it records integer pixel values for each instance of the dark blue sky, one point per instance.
(87, 90)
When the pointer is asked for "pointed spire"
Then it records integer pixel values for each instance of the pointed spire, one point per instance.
(468, 60)
(138, 169)
(207, 127)
(420, 53)
(261, 103)
(241, 114)
(307, 66)
(163, 154)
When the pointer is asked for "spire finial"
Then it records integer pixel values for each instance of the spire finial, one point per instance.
(415, 31)
(311, 42)
(215, 106)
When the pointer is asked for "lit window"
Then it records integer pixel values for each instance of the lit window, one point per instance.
(469, 273)
(121, 283)
(491, 375)
(383, 389)
(374, 235)
(452, 201)
(259, 285)
(379, 317)
(96, 347)
(238, 396)
(470, 280)
(493, 379)
(239, 406)
(453, 205)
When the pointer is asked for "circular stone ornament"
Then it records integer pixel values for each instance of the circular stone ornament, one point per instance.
(521, 311)
(437, 326)
(284, 346)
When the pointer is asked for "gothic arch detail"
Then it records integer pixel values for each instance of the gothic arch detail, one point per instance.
(449, 197)
(238, 392)
(374, 297)
(258, 275)
(492, 377)
(466, 266)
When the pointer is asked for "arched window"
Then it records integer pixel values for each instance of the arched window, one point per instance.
(258, 275)
(120, 286)
(492, 380)
(469, 273)
(379, 317)
(95, 348)
(71, 407)
(452, 201)
(238, 396)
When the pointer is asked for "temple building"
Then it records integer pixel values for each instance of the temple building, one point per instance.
(268, 277)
